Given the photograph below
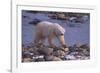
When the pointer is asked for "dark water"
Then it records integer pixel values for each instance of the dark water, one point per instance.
(75, 32)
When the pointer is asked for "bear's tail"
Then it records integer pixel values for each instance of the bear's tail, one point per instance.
(35, 22)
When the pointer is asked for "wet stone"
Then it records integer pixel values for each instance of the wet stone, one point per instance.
(38, 58)
(45, 51)
(70, 57)
(52, 58)
(26, 60)
(27, 55)
(59, 53)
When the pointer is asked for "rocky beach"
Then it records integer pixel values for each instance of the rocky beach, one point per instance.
(38, 53)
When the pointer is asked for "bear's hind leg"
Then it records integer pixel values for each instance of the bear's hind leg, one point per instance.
(38, 38)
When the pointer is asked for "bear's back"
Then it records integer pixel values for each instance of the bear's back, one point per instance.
(45, 27)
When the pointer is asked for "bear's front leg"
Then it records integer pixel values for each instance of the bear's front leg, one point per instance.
(62, 41)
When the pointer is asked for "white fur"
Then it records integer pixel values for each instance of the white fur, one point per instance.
(49, 27)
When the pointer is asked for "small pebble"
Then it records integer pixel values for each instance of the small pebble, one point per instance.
(52, 58)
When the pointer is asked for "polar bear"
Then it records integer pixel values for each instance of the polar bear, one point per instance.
(49, 30)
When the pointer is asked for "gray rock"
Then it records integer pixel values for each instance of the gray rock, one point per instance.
(61, 16)
(38, 58)
(52, 58)
(74, 53)
(70, 57)
(84, 46)
(27, 54)
(26, 60)
(57, 59)
(59, 53)
(84, 57)
(86, 53)
(33, 49)
(45, 51)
